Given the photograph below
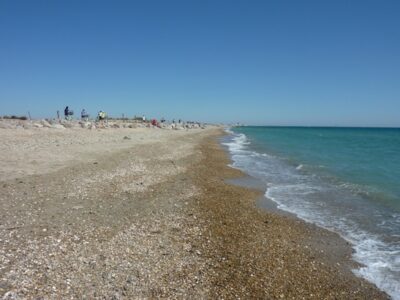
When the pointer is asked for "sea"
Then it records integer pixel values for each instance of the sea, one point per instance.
(346, 180)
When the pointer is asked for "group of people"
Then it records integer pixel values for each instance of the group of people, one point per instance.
(102, 115)
(84, 115)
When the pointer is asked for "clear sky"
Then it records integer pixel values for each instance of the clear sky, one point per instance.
(257, 62)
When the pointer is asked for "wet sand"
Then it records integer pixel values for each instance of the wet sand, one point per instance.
(152, 216)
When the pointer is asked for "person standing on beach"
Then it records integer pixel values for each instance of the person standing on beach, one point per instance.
(84, 115)
(66, 112)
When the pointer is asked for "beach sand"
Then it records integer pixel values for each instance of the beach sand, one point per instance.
(147, 213)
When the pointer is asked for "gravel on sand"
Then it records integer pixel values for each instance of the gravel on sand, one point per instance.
(151, 216)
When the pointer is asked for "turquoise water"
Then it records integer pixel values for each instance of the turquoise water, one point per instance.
(369, 157)
(343, 179)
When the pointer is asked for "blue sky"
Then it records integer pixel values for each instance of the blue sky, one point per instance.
(257, 62)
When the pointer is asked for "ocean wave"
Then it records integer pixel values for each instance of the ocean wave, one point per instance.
(381, 260)
(238, 143)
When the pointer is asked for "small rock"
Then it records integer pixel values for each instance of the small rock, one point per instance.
(10, 296)
(68, 125)
(187, 247)
(58, 126)
(116, 296)
(45, 123)
(85, 124)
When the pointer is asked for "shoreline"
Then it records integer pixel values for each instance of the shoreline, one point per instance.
(153, 216)
(373, 253)
(307, 260)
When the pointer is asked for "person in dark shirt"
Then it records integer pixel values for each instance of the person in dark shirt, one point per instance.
(66, 112)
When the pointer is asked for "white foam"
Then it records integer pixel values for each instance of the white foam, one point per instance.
(228, 130)
(381, 260)
(381, 264)
(238, 143)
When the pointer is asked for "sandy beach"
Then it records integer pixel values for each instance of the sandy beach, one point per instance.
(125, 213)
